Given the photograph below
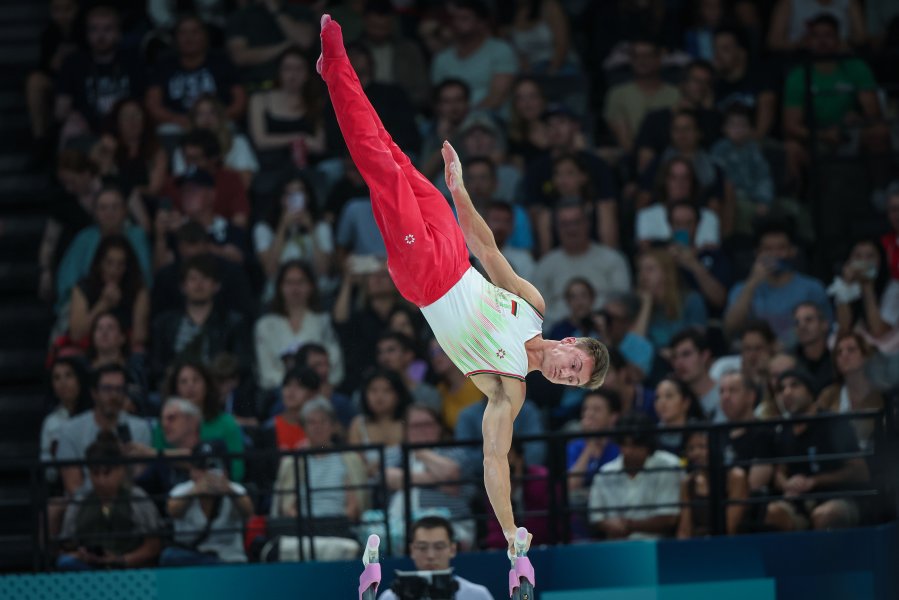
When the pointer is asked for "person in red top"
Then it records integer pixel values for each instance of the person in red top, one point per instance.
(890, 240)
(202, 151)
(300, 385)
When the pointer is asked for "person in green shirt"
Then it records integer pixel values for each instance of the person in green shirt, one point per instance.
(192, 381)
(844, 100)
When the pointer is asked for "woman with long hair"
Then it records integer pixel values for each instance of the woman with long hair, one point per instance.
(293, 319)
(852, 390)
(667, 306)
(69, 395)
(115, 283)
(384, 402)
(237, 153)
(191, 380)
(526, 128)
(538, 31)
(867, 298)
(293, 230)
(571, 180)
(675, 405)
(129, 153)
(286, 122)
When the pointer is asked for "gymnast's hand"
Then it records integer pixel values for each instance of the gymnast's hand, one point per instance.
(452, 168)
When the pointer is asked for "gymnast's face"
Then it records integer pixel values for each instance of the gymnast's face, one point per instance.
(567, 364)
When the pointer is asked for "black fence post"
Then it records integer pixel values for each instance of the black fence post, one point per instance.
(717, 482)
(311, 517)
(385, 498)
(296, 492)
(407, 495)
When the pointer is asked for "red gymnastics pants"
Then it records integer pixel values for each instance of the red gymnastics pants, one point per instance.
(426, 251)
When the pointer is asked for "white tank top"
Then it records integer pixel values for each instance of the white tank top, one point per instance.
(483, 328)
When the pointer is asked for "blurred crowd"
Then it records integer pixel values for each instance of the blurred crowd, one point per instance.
(657, 168)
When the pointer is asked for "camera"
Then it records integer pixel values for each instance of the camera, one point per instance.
(425, 585)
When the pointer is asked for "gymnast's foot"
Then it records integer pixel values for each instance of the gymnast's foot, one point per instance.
(332, 41)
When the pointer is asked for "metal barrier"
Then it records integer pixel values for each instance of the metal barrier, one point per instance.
(560, 511)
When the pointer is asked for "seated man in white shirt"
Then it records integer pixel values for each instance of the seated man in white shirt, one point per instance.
(640, 476)
(432, 548)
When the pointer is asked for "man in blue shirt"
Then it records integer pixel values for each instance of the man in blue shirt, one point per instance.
(774, 288)
(528, 423)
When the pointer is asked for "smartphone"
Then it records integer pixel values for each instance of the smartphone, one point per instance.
(681, 237)
(124, 433)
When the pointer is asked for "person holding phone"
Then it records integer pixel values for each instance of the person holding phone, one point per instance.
(491, 330)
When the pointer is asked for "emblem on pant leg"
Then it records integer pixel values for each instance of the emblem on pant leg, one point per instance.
(501, 353)
(410, 239)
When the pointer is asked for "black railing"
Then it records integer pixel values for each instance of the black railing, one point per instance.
(880, 452)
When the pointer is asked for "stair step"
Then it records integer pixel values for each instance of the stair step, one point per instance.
(26, 364)
(13, 101)
(21, 184)
(19, 277)
(24, 11)
(23, 33)
(13, 163)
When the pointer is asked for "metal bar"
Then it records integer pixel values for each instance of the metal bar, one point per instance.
(717, 484)
(407, 495)
(311, 517)
(299, 503)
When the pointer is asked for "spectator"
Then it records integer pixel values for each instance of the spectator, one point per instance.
(294, 319)
(71, 210)
(286, 122)
(259, 32)
(626, 381)
(109, 344)
(531, 495)
(179, 421)
(676, 405)
(199, 202)
(316, 357)
(527, 423)
(398, 59)
(580, 297)
(627, 104)
(110, 218)
(527, 131)
(79, 432)
(564, 136)
(847, 112)
(667, 306)
(93, 80)
(457, 392)
(109, 506)
(428, 469)
(585, 456)
(640, 475)
(180, 80)
(615, 324)
(795, 479)
(129, 154)
(571, 181)
(779, 364)
(396, 352)
(506, 222)
(432, 547)
(69, 396)
(481, 137)
(890, 240)
(739, 82)
(697, 96)
(357, 231)
(300, 385)
(739, 396)
(852, 389)
(695, 520)
(676, 182)
(113, 284)
(793, 22)
(487, 64)
(774, 287)
(209, 113)
(191, 240)
(690, 358)
(384, 401)
(359, 329)
(208, 513)
(451, 106)
(538, 32)
(237, 393)
(59, 39)
(757, 345)
(199, 329)
(332, 507)
(714, 190)
(193, 381)
(349, 186)
(294, 231)
(707, 16)
(812, 352)
(201, 150)
(605, 268)
(741, 158)
(706, 270)
(866, 297)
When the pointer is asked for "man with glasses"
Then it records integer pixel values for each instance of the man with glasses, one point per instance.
(180, 421)
(108, 389)
(432, 548)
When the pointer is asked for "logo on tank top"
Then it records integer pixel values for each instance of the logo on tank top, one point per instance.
(410, 239)
(501, 353)
(514, 309)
